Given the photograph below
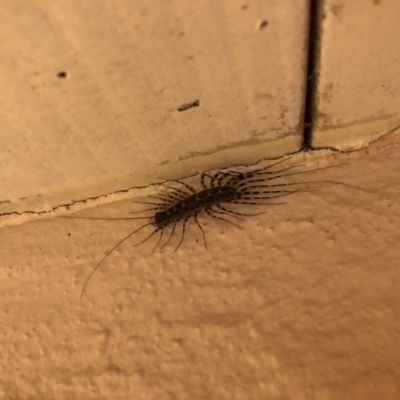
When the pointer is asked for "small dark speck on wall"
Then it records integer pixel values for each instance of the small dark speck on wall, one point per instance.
(62, 75)
(262, 25)
(187, 106)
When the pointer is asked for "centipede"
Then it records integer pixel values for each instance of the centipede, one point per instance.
(218, 192)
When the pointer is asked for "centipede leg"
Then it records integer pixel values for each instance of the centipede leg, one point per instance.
(232, 174)
(202, 231)
(148, 237)
(184, 184)
(183, 233)
(170, 236)
(230, 212)
(210, 211)
(166, 200)
(202, 176)
(226, 212)
(158, 242)
(180, 194)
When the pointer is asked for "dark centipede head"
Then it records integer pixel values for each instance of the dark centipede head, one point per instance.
(161, 219)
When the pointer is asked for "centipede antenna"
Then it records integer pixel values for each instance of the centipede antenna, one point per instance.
(108, 253)
(105, 218)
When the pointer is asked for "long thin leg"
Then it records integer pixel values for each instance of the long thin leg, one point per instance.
(148, 237)
(182, 194)
(185, 184)
(270, 192)
(266, 170)
(233, 174)
(236, 213)
(145, 202)
(164, 199)
(271, 165)
(220, 176)
(257, 203)
(183, 233)
(251, 182)
(202, 231)
(149, 209)
(170, 236)
(182, 183)
(274, 193)
(307, 171)
(226, 213)
(159, 240)
(275, 175)
(269, 186)
(203, 185)
(209, 212)
(307, 182)
(170, 196)
(251, 197)
(268, 167)
(108, 253)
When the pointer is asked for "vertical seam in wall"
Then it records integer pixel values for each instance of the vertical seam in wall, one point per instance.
(311, 95)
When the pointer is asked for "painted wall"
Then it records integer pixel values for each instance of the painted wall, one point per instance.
(301, 303)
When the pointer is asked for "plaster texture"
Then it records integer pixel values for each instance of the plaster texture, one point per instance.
(302, 304)
(357, 73)
(90, 92)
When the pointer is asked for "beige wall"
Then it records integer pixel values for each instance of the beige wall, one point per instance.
(302, 303)
(113, 123)
(357, 73)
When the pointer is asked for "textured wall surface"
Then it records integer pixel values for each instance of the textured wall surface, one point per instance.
(357, 70)
(301, 304)
(112, 121)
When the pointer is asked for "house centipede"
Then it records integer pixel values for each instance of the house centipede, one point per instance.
(258, 187)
